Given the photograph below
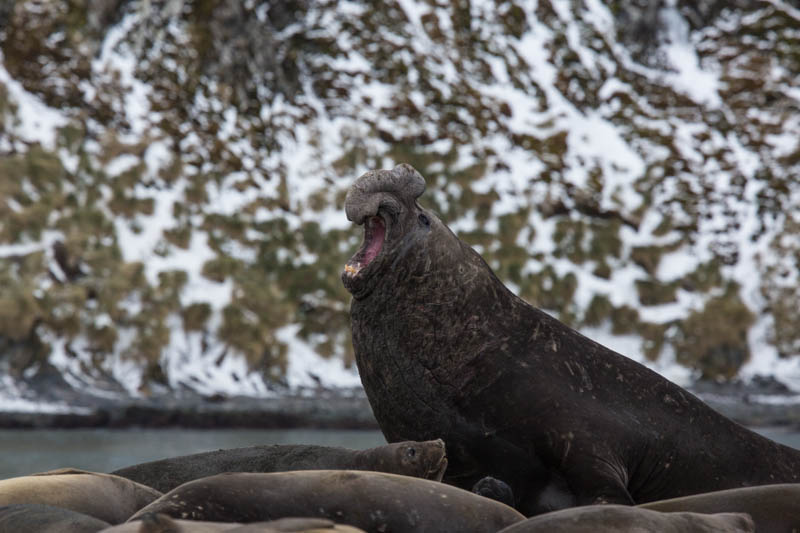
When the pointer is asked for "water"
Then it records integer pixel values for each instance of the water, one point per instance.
(27, 451)
(103, 450)
(787, 436)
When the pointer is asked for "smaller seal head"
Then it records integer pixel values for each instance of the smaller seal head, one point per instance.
(427, 460)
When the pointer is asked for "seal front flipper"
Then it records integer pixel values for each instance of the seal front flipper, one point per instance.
(158, 523)
(595, 480)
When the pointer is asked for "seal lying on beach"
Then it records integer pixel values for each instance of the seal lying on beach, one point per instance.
(38, 518)
(418, 459)
(112, 499)
(372, 501)
(444, 349)
(774, 508)
(161, 523)
(594, 518)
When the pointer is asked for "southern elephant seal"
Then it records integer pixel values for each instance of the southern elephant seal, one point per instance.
(774, 508)
(161, 523)
(418, 459)
(372, 501)
(38, 518)
(444, 349)
(623, 518)
(112, 499)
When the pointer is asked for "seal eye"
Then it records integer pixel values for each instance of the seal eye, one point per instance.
(424, 219)
(411, 452)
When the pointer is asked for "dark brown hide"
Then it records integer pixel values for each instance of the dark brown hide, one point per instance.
(106, 497)
(444, 349)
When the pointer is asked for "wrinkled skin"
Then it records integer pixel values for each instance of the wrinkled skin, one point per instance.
(106, 497)
(607, 518)
(417, 459)
(774, 508)
(40, 518)
(444, 349)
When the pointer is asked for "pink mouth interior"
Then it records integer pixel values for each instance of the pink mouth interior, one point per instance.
(375, 231)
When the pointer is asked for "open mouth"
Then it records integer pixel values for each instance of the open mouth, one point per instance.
(374, 233)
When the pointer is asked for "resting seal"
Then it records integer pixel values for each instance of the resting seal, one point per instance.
(110, 498)
(418, 459)
(594, 518)
(161, 523)
(372, 501)
(40, 518)
(774, 508)
(444, 349)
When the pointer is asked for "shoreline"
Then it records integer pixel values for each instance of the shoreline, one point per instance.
(330, 410)
(752, 405)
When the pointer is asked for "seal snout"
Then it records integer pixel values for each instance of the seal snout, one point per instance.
(438, 471)
(438, 465)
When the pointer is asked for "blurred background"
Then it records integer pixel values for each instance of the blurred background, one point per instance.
(172, 177)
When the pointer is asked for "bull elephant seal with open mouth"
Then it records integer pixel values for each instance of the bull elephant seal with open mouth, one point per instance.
(444, 349)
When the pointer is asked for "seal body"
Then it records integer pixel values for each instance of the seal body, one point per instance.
(40, 518)
(112, 499)
(774, 508)
(418, 459)
(444, 349)
(161, 523)
(373, 501)
(594, 518)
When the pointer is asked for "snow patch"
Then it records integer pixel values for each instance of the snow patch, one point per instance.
(35, 121)
(689, 77)
(117, 62)
(305, 364)
(209, 369)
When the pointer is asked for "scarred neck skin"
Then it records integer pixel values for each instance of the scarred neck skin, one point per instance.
(412, 327)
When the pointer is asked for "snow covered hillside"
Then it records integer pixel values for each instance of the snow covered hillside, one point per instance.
(172, 176)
